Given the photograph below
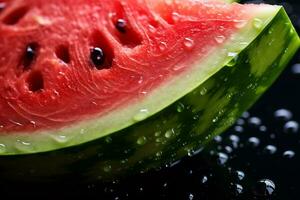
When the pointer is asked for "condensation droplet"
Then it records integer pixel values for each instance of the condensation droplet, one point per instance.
(233, 59)
(23, 146)
(107, 168)
(141, 115)
(240, 23)
(189, 43)
(257, 23)
(203, 91)
(2, 148)
(169, 133)
(220, 39)
(180, 107)
(60, 138)
(141, 140)
(162, 46)
(175, 17)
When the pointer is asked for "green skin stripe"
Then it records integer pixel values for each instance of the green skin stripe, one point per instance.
(178, 130)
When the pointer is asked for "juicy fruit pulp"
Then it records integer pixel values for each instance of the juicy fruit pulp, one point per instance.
(54, 76)
(187, 43)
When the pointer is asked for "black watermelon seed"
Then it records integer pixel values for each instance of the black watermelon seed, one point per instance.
(121, 25)
(97, 57)
(30, 55)
(2, 6)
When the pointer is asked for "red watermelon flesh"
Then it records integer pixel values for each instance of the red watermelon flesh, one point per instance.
(51, 72)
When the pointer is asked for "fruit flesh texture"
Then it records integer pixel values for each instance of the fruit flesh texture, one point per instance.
(51, 93)
(176, 131)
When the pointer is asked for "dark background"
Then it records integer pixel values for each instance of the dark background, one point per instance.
(258, 158)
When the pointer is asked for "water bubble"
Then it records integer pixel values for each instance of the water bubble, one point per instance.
(233, 59)
(203, 91)
(222, 158)
(23, 146)
(204, 179)
(296, 69)
(238, 129)
(162, 46)
(257, 23)
(270, 149)
(191, 196)
(240, 122)
(254, 122)
(253, 142)
(246, 115)
(60, 138)
(175, 17)
(218, 139)
(2, 148)
(141, 115)
(180, 107)
(220, 39)
(237, 189)
(263, 128)
(107, 168)
(188, 43)
(240, 175)
(288, 154)
(240, 23)
(234, 139)
(169, 133)
(264, 187)
(228, 149)
(141, 140)
(291, 127)
(283, 114)
(108, 139)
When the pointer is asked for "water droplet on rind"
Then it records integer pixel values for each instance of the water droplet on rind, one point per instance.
(23, 146)
(2, 148)
(257, 23)
(141, 115)
(141, 140)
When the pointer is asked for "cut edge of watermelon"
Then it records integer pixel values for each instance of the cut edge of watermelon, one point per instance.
(42, 141)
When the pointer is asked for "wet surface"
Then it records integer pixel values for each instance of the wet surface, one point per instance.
(258, 158)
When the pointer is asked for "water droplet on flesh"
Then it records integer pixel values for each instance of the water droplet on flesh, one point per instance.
(220, 39)
(188, 43)
(162, 46)
(257, 23)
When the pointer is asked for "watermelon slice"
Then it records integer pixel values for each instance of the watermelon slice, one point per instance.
(124, 86)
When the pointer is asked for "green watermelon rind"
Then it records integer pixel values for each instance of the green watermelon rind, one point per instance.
(181, 128)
